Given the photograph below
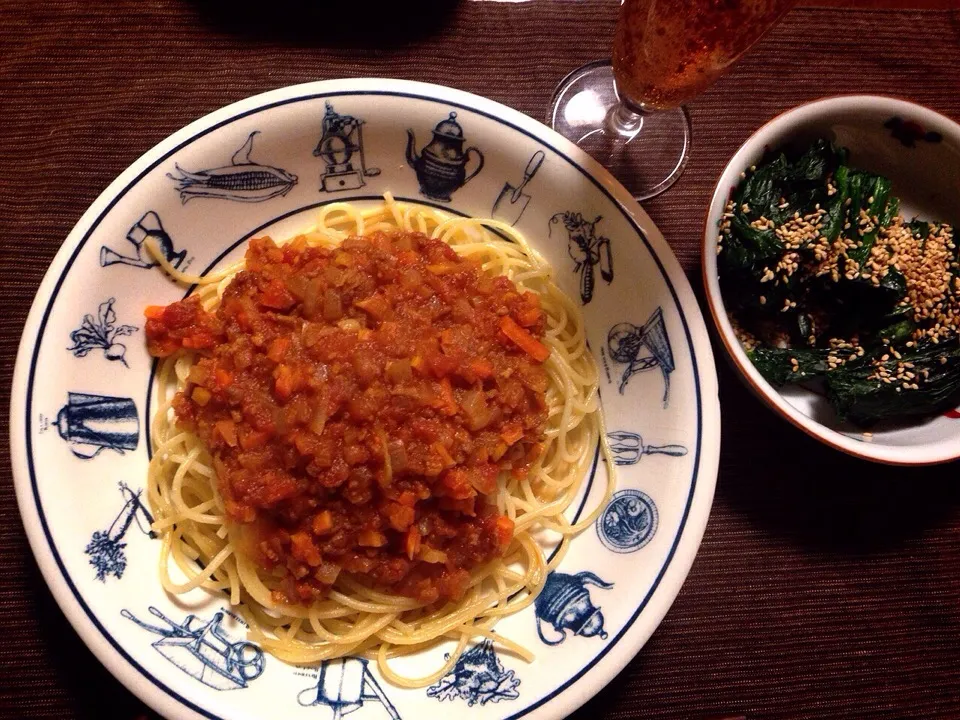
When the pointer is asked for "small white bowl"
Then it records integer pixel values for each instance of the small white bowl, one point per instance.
(920, 153)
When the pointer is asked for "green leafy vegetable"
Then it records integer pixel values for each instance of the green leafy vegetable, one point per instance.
(776, 366)
(862, 400)
(812, 264)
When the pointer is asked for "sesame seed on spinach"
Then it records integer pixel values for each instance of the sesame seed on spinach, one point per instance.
(863, 401)
(825, 281)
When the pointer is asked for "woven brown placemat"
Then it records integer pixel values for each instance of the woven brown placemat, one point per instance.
(825, 587)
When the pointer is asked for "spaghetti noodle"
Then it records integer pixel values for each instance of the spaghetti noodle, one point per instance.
(199, 539)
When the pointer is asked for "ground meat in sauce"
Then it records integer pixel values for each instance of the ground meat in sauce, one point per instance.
(359, 404)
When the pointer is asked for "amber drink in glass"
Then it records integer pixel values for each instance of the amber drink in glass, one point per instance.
(629, 113)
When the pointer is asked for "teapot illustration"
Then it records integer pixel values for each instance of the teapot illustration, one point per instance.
(565, 604)
(441, 166)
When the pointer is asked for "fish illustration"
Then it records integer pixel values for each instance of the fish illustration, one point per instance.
(149, 226)
(242, 180)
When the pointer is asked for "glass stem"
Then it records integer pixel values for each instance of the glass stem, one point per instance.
(625, 119)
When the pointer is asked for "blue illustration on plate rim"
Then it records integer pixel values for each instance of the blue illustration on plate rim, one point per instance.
(364, 687)
(478, 677)
(106, 548)
(628, 522)
(565, 604)
(443, 171)
(512, 202)
(28, 419)
(342, 135)
(203, 649)
(243, 180)
(147, 227)
(641, 349)
(628, 448)
(91, 423)
(101, 333)
(586, 249)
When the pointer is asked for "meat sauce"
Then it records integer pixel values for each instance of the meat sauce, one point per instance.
(359, 404)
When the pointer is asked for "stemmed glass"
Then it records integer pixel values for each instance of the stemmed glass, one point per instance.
(629, 114)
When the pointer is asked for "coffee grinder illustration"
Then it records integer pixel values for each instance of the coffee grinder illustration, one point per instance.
(90, 423)
(341, 148)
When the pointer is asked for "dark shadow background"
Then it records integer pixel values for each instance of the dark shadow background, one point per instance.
(321, 23)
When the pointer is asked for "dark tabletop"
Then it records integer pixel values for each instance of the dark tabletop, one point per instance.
(825, 587)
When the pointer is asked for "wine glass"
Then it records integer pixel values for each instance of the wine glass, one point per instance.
(629, 114)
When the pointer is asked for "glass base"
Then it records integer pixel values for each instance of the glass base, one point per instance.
(645, 151)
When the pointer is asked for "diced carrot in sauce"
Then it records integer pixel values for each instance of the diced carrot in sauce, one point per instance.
(285, 382)
(443, 268)
(164, 348)
(441, 365)
(484, 478)
(523, 339)
(457, 485)
(303, 548)
(199, 340)
(371, 538)
(449, 400)
(504, 530)
(278, 348)
(511, 433)
(251, 439)
(481, 367)
(322, 522)
(407, 498)
(323, 368)
(277, 296)
(400, 516)
(528, 317)
(228, 431)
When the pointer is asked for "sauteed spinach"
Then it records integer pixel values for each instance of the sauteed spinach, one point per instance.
(823, 279)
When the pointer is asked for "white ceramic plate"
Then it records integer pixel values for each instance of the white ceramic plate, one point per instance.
(81, 401)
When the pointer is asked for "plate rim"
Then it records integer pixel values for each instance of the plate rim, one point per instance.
(631, 638)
